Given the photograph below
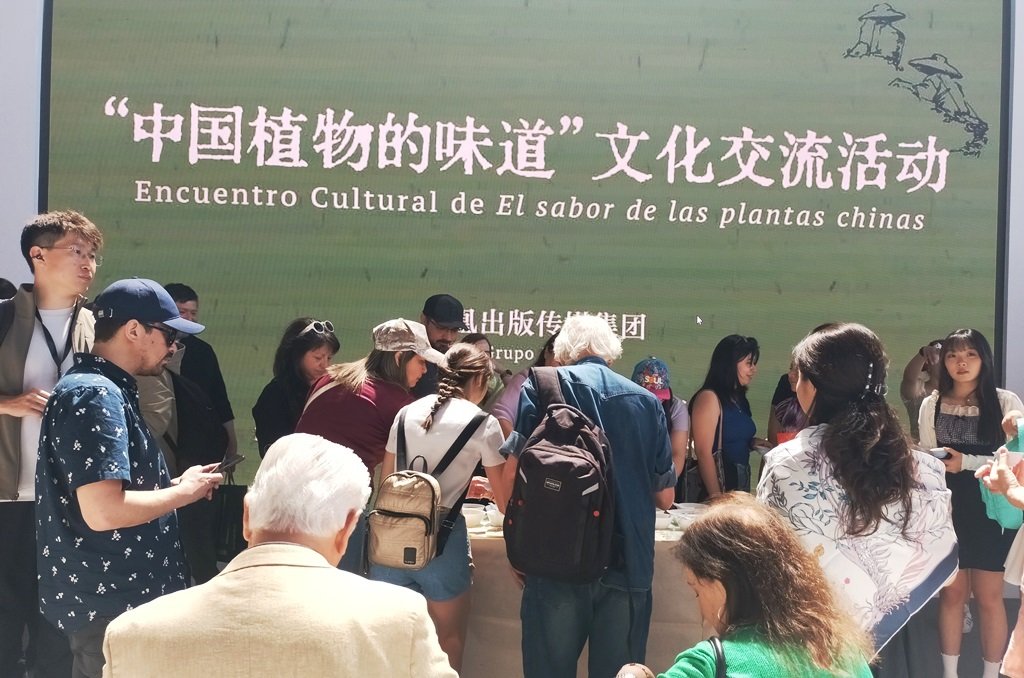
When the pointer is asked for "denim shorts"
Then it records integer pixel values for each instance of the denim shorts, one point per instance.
(444, 577)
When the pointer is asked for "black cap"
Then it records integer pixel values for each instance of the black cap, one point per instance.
(446, 311)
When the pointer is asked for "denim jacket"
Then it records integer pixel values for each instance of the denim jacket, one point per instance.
(634, 422)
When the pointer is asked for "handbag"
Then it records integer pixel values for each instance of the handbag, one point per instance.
(228, 502)
(716, 645)
(694, 490)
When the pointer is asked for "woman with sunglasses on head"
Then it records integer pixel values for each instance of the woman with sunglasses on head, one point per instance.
(965, 417)
(302, 357)
(766, 599)
(430, 426)
(355, 404)
(874, 511)
(720, 416)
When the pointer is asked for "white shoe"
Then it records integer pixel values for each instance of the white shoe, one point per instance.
(968, 619)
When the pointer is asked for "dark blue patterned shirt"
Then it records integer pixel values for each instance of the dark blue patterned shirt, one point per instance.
(93, 430)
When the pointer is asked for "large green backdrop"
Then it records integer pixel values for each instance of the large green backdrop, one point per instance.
(207, 95)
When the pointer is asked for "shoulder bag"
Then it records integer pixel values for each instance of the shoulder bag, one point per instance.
(694, 490)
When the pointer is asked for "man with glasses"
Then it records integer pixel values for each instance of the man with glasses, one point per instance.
(41, 326)
(107, 535)
(443, 317)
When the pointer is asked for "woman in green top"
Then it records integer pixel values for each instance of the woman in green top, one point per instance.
(766, 597)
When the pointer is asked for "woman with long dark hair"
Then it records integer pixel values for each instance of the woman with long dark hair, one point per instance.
(875, 511)
(302, 357)
(720, 404)
(431, 424)
(965, 416)
(766, 598)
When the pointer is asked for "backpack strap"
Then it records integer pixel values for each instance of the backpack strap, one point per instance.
(319, 392)
(548, 388)
(6, 317)
(400, 453)
(459, 443)
(453, 513)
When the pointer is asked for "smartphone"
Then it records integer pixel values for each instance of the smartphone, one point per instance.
(939, 453)
(229, 464)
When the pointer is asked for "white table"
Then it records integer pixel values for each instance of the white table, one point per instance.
(493, 643)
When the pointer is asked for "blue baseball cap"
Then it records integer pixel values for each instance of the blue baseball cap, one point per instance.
(652, 374)
(143, 300)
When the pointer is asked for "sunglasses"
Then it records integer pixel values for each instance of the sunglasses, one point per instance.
(319, 326)
(171, 336)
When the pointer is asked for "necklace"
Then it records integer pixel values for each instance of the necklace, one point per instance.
(968, 400)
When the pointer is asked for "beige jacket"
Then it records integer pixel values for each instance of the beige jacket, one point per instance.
(278, 610)
(13, 353)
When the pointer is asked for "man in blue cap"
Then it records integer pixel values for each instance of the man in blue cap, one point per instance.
(106, 532)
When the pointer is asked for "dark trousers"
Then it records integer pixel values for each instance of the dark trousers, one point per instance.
(87, 648)
(196, 527)
(47, 654)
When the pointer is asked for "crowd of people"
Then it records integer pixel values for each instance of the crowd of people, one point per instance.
(811, 568)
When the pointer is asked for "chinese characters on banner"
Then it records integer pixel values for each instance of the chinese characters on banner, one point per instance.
(808, 159)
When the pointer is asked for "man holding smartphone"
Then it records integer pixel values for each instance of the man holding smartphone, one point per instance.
(106, 531)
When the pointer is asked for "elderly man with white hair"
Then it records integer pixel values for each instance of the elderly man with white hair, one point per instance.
(281, 607)
(614, 612)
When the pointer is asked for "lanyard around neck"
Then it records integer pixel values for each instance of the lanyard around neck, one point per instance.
(58, 360)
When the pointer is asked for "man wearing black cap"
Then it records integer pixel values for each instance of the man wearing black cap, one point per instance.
(106, 532)
(443, 317)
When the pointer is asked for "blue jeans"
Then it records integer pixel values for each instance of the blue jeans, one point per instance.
(558, 619)
(445, 577)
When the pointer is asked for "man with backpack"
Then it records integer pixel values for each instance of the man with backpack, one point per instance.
(560, 613)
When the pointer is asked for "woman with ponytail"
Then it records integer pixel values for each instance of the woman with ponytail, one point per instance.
(965, 416)
(431, 425)
(874, 511)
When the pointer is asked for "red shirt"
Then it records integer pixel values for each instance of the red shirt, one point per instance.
(358, 420)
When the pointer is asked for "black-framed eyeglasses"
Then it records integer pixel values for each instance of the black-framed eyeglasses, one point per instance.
(319, 326)
(172, 337)
(79, 253)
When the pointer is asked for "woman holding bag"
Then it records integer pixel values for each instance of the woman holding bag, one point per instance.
(965, 417)
(430, 426)
(720, 416)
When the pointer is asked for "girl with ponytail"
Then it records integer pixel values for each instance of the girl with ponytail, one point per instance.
(873, 510)
(431, 426)
(966, 416)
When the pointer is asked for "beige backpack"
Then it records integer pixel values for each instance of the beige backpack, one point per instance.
(408, 527)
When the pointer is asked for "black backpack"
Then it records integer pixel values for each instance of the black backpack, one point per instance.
(560, 520)
(202, 438)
